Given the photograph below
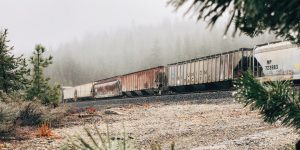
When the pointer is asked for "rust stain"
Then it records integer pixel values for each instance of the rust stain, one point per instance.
(107, 89)
(141, 80)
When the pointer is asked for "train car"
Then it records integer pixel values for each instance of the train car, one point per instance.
(84, 91)
(145, 82)
(68, 93)
(215, 71)
(268, 62)
(279, 61)
(106, 88)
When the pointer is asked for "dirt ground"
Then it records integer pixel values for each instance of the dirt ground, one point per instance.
(189, 124)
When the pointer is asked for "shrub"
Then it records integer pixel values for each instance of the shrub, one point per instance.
(11, 97)
(15, 111)
(8, 115)
(72, 110)
(4, 97)
(55, 116)
(31, 113)
(34, 113)
(95, 140)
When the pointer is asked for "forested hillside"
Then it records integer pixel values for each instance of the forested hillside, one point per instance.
(100, 55)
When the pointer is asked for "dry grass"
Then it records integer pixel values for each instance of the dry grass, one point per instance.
(31, 113)
(15, 115)
(8, 115)
(44, 131)
(91, 110)
(95, 140)
(146, 105)
(55, 116)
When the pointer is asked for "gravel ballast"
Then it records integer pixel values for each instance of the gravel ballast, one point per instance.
(196, 123)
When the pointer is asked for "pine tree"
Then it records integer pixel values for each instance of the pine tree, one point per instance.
(40, 88)
(276, 101)
(13, 70)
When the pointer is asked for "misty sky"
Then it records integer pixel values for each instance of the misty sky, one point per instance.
(53, 22)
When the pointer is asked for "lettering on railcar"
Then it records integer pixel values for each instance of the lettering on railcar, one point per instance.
(271, 67)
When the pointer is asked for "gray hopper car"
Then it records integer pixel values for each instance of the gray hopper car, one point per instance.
(199, 74)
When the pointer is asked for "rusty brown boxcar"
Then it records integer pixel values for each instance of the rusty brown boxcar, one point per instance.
(105, 88)
(199, 73)
(145, 82)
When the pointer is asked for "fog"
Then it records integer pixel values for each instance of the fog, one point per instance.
(105, 54)
(52, 22)
(96, 39)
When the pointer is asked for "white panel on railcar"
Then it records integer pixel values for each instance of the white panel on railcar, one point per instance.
(280, 61)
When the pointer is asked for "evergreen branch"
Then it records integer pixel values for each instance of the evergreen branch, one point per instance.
(276, 101)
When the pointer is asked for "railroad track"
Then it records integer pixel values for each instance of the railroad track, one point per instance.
(212, 96)
(202, 97)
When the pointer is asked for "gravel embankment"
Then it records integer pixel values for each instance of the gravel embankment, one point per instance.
(196, 126)
(201, 123)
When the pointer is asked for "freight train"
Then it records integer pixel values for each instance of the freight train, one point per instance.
(271, 61)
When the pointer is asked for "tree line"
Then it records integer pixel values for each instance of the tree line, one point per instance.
(106, 54)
